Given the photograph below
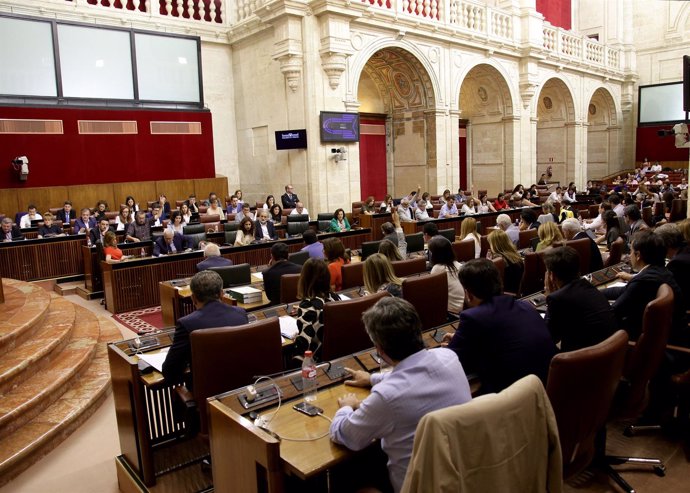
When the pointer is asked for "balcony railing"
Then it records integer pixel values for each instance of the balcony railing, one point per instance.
(205, 11)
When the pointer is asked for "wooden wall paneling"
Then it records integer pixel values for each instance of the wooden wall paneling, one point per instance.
(87, 196)
(174, 190)
(9, 205)
(142, 191)
(43, 198)
(204, 186)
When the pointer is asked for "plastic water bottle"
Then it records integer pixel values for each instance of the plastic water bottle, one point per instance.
(309, 383)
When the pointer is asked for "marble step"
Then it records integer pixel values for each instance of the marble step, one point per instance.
(36, 353)
(38, 437)
(24, 402)
(25, 307)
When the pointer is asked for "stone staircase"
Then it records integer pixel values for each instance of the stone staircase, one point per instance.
(54, 372)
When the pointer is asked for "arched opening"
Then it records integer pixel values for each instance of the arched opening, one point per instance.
(486, 109)
(556, 135)
(603, 134)
(397, 135)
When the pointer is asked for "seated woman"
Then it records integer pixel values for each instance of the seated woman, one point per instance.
(549, 213)
(388, 249)
(500, 202)
(484, 205)
(270, 202)
(314, 290)
(548, 235)
(379, 276)
(468, 231)
(276, 214)
(334, 251)
(177, 223)
(132, 205)
(443, 260)
(110, 250)
(245, 232)
(123, 219)
(100, 210)
(214, 209)
(369, 205)
(387, 204)
(501, 246)
(426, 196)
(339, 222)
(468, 208)
(185, 213)
(49, 229)
(613, 229)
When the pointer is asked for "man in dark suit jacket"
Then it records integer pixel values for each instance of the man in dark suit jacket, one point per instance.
(10, 232)
(578, 315)
(66, 213)
(678, 253)
(263, 228)
(279, 266)
(499, 338)
(647, 256)
(207, 287)
(170, 242)
(213, 258)
(97, 234)
(289, 199)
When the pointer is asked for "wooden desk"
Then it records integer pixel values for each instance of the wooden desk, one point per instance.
(93, 278)
(486, 220)
(374, 222)
(34, 259)
(134, 284)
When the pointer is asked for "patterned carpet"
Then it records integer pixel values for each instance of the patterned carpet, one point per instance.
(146, 321)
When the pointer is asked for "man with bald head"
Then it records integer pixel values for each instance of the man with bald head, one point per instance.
(170, 242)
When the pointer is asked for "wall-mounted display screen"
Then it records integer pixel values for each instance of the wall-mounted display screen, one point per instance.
(661, 103)
(291, 139)
(339, 127)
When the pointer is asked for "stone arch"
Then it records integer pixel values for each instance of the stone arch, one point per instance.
(486, 106)
(558, 131)
(603, 134)
(408, 98)
(509, 91)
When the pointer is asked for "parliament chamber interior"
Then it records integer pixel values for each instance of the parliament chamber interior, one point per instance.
(334, 246)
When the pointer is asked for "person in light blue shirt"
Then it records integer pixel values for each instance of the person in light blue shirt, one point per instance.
(449, 209)
(313, 246)
(422, 380)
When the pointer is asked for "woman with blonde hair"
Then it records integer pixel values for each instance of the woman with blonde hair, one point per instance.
(549, 213)
(548, 235)
(468, 231)
(379, 276)
(500, 245)
(389, 250)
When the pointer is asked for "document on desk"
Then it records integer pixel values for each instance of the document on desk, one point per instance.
(288, 327)
(344, 297)
(155, 359)
(258, 276)
(618, 284)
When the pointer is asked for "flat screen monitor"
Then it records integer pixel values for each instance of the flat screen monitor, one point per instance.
(661, 103)
(339, 127)
(291, 139)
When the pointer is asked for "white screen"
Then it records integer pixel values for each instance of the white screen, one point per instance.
(95, 63)
(26, 58)
(167, 68)
(662, 103)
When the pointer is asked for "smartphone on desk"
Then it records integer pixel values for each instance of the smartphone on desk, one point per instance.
(308, 409)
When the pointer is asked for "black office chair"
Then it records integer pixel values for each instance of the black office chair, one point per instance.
(415, 242)
(194, 229)
(448, 233)
(230, 226)
(230, 237)
(324, 221)
(194, 240)
(297, 224)
(298, 257)
(234, 275)
(369, 248)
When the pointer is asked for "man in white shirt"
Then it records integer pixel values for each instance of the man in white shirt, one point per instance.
(656, 168)
(618, 208)
(25, 221)
(556, 195)
(404, 211)
(597, 224)
(299, 209)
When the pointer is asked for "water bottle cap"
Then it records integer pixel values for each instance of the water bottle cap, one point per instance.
(307, 354)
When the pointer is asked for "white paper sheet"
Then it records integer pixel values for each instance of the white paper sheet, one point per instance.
(288, 327)
(155, 359)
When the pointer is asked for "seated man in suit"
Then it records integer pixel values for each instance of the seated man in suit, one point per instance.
(501, 339)
(423, 380)
(139, 230)
(10, 232)
(170, 242)
(98, 234)
(234, 207)
(312, 244)
(289, 199)
(647, 257)
(263, 228)
(678, 253)
(278, 267)
(66, 213)
(31, 215)
(155, 217)
(207, 287)
(213, 258)
(633, 218)
(84, 223)
(578, 315)
(573, 231)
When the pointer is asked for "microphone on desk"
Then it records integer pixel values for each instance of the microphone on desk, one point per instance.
(326, 364)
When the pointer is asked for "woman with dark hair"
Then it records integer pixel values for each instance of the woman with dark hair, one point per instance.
(123, 219)
(313, 290)
(177, 223)
(245, 233)
(275, 213)
(238, 194)
(484, 205)
(185, 213)
(387, 204)
(500, 202)
(133, 206)
(270, 202)
(443, 260)
(369, 205)
(100, 209)
(388, 249)
(339, 222)
(334, 251)
(613, 229)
